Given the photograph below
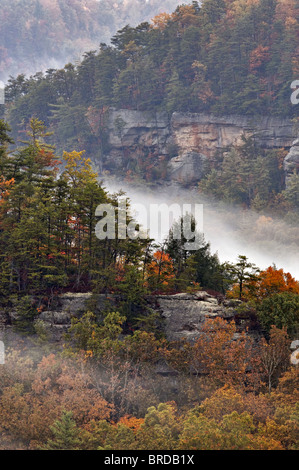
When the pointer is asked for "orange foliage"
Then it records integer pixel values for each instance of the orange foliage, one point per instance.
(273, 281)
(131, 422)
(29, 408)
(46, 158)
(160, 21)
(161, 269)
(4, 187)
(258, 57)
(226, 358)
(186, 16)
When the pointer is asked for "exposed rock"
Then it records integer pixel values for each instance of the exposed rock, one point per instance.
(186, 139)
(187, 168)
(68, 306)
(184, 314)
(207, 133)
(129, 130)
(291, 162)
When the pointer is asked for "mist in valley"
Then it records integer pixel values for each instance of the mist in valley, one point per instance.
(230, 230)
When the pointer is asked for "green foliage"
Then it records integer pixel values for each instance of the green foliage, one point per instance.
(65, 434)
(87, 335)
(36, 34)
(48, 220)
(133, 293)
(160, 429)
(246, 175)
(241, 272)
(26, 312)
(281, 310)
(291, 193)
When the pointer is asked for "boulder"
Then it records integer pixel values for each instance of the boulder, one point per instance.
(185, 314)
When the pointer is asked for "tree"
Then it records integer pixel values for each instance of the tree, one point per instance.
(236, 431)
(291, 193)
(223, 359)
(281, 310)
(160, 271)
(160, 429)
(175, 93)
(274, 355)
(272, 281)
(5, 140)
(242, 272)
(65, 434)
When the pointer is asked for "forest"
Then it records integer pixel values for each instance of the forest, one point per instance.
(99, 388)
(116, 381)
(223, 57)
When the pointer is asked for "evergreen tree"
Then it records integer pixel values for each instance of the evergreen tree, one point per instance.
(241, 272)
(66, 435)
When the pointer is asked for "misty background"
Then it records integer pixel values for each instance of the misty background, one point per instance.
(230, 230)
(38, 35)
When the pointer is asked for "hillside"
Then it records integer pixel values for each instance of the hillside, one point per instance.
(41, 34)
(221, 59)
(218, 58)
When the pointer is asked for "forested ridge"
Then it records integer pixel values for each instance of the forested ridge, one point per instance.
(220, 58)
(224, 57)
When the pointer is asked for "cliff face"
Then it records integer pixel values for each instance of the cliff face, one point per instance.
(291, 162)
(186, 140)
(182, 315)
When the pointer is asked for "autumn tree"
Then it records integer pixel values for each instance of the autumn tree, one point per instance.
(272, 281)
(160, 271)
(274, 355)
(223, 359)
(160, 429)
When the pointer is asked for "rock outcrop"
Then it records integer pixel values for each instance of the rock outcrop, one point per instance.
(291, 162)
(185, 314)
(182, 315)
(186, 140)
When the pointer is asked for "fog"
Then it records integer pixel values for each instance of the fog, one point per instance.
(230, 230)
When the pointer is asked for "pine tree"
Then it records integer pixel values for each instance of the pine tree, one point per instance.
(241, 272)
(65, 434)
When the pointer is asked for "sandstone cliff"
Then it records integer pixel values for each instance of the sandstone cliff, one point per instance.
(187, 140)
(182, 315)
(291, 162)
